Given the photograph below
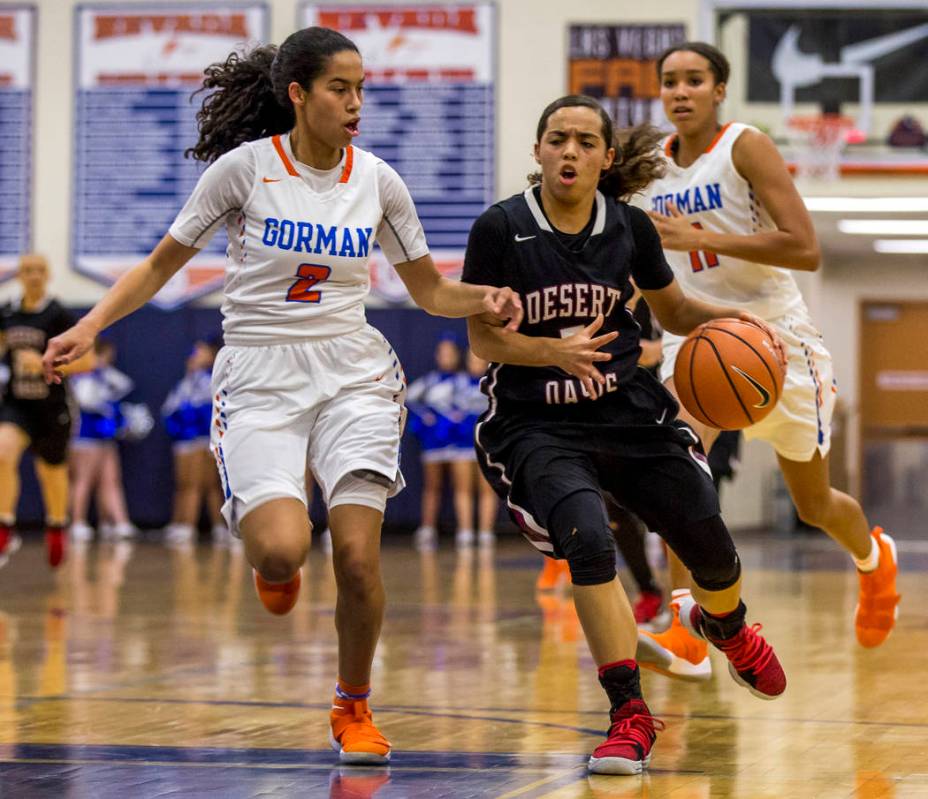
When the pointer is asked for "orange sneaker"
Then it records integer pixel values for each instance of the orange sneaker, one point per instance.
(675, 652)
(278, 598)
(877, 605)
(353, 735)
(553, 572)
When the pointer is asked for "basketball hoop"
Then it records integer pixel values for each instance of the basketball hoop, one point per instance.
(818, 141)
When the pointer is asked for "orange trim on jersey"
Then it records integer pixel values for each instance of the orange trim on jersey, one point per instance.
(717, 137)
(668, 148)
(349, 162)
(291, 170)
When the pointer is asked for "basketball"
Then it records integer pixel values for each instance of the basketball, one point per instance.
(728, 374)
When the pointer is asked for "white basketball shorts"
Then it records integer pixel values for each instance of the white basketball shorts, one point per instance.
(800, 425)
(334, 404)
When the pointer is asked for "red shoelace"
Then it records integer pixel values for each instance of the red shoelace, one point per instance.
(747, 649)
(638, 727)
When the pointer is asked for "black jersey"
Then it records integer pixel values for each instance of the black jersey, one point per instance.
(25, 335)
(564, 282)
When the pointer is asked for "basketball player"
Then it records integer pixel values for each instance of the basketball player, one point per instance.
(35, 414)
(572, 415)
(733, 227)
(302, 373)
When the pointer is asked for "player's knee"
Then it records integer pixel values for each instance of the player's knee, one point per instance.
(713, 559)
(582, 531)
(357, 572)
(278, 559)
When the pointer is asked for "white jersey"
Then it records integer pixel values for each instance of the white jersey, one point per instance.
(299, 238)
(715, 197)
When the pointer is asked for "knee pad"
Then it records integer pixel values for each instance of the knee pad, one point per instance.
(715, 563)
(579, 525)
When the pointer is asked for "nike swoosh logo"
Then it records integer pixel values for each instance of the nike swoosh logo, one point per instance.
(524, 238)
(762, 392)
(271, 180)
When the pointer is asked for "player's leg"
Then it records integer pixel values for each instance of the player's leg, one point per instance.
(359, 613)
(841, 517)
(560, 489)
(50, 444)
(211, 490)
(276, 535)
(672, 491)
(462, 482)
(53, 481)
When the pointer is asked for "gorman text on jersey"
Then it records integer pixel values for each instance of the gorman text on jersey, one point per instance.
(691, 200)
(285, 234)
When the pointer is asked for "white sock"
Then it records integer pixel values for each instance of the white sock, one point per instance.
(869, 563)
(679, 593)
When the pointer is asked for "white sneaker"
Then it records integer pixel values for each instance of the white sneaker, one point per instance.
(425, 538)
(325, 541)
(80, 531)
(486, 539)
(176, 535)
(122, 531)
(464, 539)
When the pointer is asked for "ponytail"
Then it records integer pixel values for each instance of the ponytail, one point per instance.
(248, 94)
(638, 162)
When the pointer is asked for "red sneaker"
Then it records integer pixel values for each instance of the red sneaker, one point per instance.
(752, 662)
(647, 607)
(627, 748)
(55, 539)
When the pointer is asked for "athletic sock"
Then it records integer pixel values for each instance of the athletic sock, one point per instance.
(621, 681)
(722, 626)
(869, 563)
(346, 694)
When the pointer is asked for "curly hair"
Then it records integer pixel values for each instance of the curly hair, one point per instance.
(247, 94)
(637, 162)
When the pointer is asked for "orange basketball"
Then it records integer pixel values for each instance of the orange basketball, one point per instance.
(728, 374)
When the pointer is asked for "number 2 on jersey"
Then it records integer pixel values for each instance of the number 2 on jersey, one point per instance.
(697, 257)
(308, 275)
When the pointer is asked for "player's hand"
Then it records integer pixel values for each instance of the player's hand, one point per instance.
(578, 354)
(505, 305)
(65, 349)
(778, 344)
(675, 230)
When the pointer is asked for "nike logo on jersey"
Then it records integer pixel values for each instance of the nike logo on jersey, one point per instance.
(524, 238)
(271, 180)
(762, 392)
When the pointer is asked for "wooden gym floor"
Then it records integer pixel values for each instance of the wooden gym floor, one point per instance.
(139, 671)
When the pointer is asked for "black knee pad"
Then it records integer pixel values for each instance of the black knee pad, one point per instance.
(579, 525)
(715, 563)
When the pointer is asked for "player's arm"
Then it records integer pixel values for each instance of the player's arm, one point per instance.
(577, 354)
(792, 245)
(440, 296)
(130, 292)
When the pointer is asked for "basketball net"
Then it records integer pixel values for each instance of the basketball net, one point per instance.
(818, 141)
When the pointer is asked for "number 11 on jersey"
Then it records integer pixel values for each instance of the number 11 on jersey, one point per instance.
(308, 275)
(700, 259)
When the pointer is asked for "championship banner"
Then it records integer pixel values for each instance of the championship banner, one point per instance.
(428, 112)
(17, 77)
(136, 68)
(617, 64)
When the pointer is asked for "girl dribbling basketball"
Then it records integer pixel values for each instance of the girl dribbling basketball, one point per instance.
(733, 226)
(302, 375)
(571, 415)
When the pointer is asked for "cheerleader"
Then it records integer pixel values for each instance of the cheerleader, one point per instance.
(186, 413)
